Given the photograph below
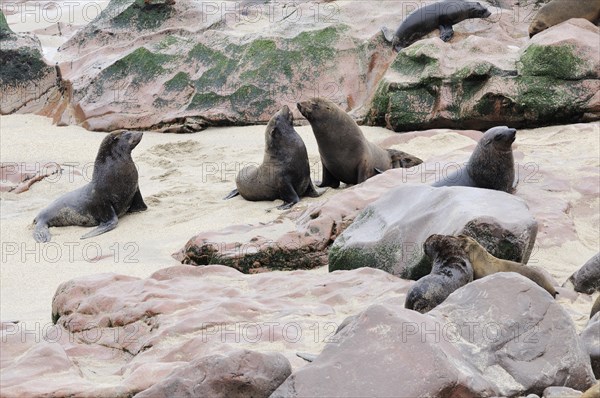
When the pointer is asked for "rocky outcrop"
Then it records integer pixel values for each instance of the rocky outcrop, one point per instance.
(27, 83)
(472, 345)
(116, 335)
(389, 234)
(240, 374)
(482, 82)
(590, 338)
(587, 278)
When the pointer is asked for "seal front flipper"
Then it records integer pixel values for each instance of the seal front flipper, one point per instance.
(288, 195)
(232, 194)
(446, 32)
(329, 179)
(137, 203)
(104, 226)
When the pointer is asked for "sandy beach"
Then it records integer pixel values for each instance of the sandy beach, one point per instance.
(183, 179)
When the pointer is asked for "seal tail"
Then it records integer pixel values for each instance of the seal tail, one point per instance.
(41, 233)
(232, 194)
(403, 159)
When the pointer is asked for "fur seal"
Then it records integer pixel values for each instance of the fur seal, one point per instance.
(592, 392)
(451, 270)
(112, 192)
(485, 264)
(346, 155)
(284, 173)
(587, 278)
(491, 164)
(441, 15)
(558, 11)
(595, 307)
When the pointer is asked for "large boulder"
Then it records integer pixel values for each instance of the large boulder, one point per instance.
(27, 82)
(482, 82)
(587, 278)
(389, 233)
(590, 338)
(471, 345)
(241, 373)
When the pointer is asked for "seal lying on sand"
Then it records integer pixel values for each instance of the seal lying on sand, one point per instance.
(558, 11)
(485, 264)
(441, 15)
(346, 154)
(284, 173)
(112, 192)
(451, 270)
(491, 164)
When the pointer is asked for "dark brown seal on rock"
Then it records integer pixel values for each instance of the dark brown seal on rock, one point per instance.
(587, 278)
(346, 154)
(485, 264)
(112, 192)
(451, 270)
(491, 164)
(558, 11)
(284, 173)
(441, 15)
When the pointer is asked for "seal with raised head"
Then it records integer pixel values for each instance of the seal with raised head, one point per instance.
(485, 264)
(558, 11)
(346, 155)
(284, 173)
(112, 192)
(491, 164)
(451, 270)
(441, 15)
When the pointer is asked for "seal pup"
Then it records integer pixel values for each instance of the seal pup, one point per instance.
(112, 192)
(451, 270)
(558, 11)
(346, 155)
(441, 15)
(485, 264)
(587, 278)
(491, 164)
(284, 173)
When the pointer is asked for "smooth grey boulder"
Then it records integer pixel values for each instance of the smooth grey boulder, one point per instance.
(473, 344)
(587, 278)
(240, 373)
(389, 233)
(590, 338)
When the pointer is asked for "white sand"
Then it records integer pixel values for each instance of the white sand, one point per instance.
(183, 179)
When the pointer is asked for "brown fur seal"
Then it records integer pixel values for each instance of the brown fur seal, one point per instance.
(491, 164)
(558, 11)
(485, 264)
(587, 278)
(592, 392)
(441, 15)
(595, 307)
(112, 192)
(284, 173)
(451, 270)
(346, 154)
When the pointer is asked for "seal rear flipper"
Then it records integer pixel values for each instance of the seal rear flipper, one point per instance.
(232, 194)
(312, 192)
(403, 159)
(41, 233)
(388, 35)
(329, 179)
(137, 203)
(446, 32)
(104, 226)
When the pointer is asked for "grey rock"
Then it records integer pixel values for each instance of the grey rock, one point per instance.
(241, 373)
(561, 392)
(590, 338)
(390, 232)
(587, 278)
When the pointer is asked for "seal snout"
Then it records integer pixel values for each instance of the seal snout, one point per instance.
(133, 137)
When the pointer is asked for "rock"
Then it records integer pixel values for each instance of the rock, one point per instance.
(587, 278)
(590, 338)
(390, 232)
(240, 373)
(561, 392)
(524, 347)
(482, 82)
(27, 83)
(116, 335)
(223, 63)
(470, 345)
(18, 177)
